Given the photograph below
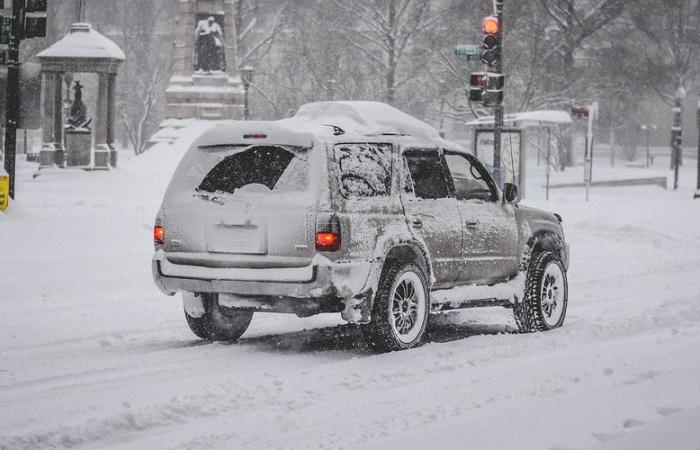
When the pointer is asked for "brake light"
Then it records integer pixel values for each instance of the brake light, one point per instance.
(328, 234)
(255, 136)
(158, 235)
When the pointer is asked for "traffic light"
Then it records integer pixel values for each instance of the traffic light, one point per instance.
(35, 20)
(490, 45)
(493, 93)
(487, 88)
(477, 82)
(579, 112)
(34, 27)
(36, 6)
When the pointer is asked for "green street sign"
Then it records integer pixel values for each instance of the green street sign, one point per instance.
(470, 52)
(5, 30)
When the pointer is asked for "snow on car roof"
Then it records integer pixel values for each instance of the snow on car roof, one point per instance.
(357, 120)
(367, 118)
(252, 132)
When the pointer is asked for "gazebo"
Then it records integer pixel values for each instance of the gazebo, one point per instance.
(83, 50)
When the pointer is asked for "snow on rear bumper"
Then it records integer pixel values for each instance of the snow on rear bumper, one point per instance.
(321, 279)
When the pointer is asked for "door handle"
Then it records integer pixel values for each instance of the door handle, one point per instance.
(417, 222)
(472, 225)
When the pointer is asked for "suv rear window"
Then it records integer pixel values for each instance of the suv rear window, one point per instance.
(364, 170)
(257, 169)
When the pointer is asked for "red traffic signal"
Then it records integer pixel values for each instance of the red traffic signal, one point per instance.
(491, 25)
(579, 112)
(477, 81)
(491, 48)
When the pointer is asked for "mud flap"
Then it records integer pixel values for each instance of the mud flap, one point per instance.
(359, 309)
(193, 304)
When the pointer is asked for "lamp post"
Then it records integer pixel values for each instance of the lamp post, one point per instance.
(247, 78)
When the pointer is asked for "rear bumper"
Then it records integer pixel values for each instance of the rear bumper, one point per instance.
(322, 286)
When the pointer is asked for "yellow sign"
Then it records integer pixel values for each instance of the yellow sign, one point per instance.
(4, 190)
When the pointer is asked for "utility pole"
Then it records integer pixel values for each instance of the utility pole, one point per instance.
(12, 112)
(498, 113)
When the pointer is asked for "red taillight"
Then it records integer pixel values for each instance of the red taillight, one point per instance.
(328, 234)
(255, 136)
(327, 241)
(158, 235)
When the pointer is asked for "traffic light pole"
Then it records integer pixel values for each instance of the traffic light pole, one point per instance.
(12, 112)
(498, 113)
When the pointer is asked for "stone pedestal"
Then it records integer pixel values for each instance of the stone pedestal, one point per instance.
(78, 147)
(199, 95)
(208, 97)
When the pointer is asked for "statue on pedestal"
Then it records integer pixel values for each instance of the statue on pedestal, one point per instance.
(77, 116)
(209, 53)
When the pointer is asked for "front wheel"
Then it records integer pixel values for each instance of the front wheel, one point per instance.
(219, 323)
(400, 312)
(546, 297)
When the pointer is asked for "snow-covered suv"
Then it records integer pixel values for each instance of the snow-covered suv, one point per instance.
(354, 208)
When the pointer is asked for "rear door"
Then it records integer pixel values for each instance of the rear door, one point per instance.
(490, 233)
(431, 213)
(248, 206)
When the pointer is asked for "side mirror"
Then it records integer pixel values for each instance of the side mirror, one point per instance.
(510, 193)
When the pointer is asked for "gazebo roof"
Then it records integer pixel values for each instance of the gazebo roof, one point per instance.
(83, 42)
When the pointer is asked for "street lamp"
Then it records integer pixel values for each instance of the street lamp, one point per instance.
(247, 78)
(648, 129)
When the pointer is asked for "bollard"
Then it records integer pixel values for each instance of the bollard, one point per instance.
(4, 190)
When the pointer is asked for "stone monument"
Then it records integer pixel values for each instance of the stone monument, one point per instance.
(78, 133)
(205, 84)
(83, 50)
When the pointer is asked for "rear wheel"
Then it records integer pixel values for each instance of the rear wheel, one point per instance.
(219, 323)
(401, 308)
(546, 295)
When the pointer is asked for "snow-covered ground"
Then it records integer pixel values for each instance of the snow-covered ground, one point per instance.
(93, 356)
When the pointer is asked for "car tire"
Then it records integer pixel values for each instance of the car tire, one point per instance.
(401, 308)
(546, 296)
(219, 323)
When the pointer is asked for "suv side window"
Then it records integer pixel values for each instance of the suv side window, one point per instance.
(470, 178)
(428, 174)
(364, 170)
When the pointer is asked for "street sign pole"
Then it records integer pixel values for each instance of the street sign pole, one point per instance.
(12, 112)
(498, 113)
(677, 134)
(588, 164)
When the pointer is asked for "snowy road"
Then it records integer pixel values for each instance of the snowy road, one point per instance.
(93, 356)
